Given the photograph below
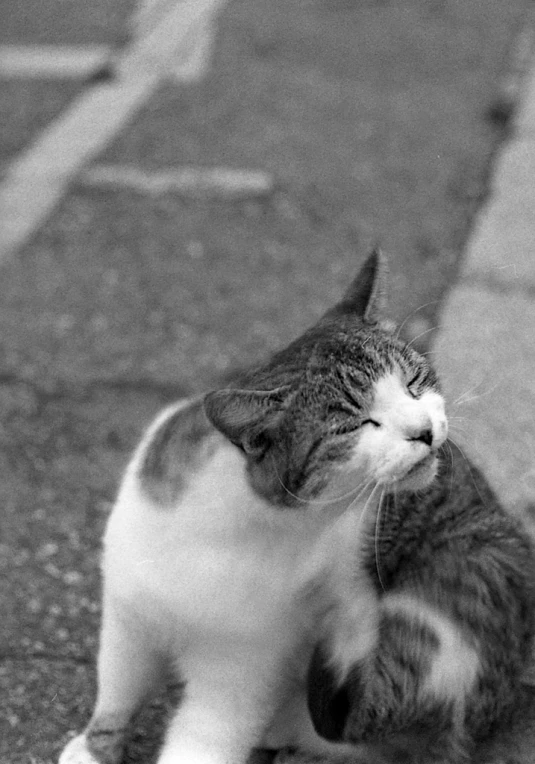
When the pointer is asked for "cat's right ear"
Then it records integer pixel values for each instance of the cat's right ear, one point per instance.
(366, 296)
(248, 418)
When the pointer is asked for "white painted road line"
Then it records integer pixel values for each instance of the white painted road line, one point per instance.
(191, 60)
(148, 14)
(196, 60)
(37, 179)
(225, 182)
(58, 61)
(158, 49)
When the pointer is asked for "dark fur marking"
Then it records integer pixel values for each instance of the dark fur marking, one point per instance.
(380, 694)
(328, 703)
(175, 449)
(106, 733)
(105, 741)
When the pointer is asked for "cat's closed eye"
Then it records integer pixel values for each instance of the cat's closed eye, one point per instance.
(413, 385)
(373, 422)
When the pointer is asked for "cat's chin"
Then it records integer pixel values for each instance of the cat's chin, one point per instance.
(419, 476)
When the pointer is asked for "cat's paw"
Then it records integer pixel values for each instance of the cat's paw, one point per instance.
(77, 752)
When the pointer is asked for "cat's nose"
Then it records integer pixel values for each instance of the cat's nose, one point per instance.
(422, 435)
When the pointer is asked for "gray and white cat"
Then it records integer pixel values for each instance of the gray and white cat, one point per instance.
(314, 561)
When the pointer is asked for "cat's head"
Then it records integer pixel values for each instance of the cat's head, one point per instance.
(346, 404)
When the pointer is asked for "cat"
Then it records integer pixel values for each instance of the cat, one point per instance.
(303, 553)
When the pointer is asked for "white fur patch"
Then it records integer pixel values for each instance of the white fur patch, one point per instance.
(77, 752)
(393, 403)
(456, 666)
(391, 445)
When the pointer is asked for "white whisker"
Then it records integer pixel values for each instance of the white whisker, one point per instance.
(447, 445)
(467, 396)
(459, 432)
(455, 426)
(469, 465)
(368, 502)
(359, 495)
(376, 539)
(354, 493)
(422, 334)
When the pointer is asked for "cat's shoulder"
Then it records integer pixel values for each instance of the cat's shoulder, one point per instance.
(173, 449)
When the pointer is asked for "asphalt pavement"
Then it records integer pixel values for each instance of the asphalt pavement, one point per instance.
(122, 301)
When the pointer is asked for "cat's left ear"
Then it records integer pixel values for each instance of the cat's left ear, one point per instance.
(366, 296)
(248, 418)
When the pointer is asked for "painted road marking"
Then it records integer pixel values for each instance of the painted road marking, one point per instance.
(192, 60)
(156, 50)
(195, 62)
(37, 179)
(224, 182)
(148, 14)
(44, 61)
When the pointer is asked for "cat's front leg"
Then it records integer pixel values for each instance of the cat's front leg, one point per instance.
(129, 668)
(228, 701)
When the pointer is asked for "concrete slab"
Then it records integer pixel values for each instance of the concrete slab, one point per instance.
(486, 348)
(514, 172)
(502, 245)
(525, 120)
(486, 360)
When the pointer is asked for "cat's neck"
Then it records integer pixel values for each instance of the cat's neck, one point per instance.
(341, 502)
(236, 507)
